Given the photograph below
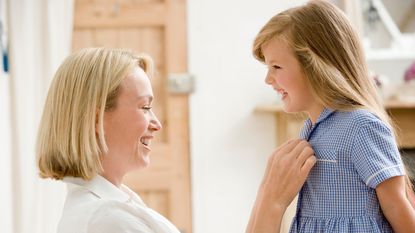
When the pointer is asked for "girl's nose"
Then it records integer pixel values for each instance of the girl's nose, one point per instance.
(268, 79)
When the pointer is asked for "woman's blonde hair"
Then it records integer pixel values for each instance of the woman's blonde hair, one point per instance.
(71, 134)
(330, 55)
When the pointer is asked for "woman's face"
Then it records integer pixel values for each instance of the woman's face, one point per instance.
(287, 79)
(129, 127)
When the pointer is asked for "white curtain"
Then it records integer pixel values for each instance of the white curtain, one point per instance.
(40, 34)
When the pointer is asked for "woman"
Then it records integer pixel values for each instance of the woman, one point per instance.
(98, 125)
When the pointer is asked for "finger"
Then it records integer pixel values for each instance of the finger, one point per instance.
(282, 150)
(270, 162)
(289, 146)
(308, 164)
(300, 147)
(287, 143)
(304, 154)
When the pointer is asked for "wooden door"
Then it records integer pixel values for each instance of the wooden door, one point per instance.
(158, 28)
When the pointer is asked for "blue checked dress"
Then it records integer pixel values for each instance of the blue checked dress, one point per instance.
(355, 152)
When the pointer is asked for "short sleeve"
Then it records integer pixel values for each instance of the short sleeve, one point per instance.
(375, 154)
(113, 217)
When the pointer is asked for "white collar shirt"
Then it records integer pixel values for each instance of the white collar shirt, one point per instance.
(98, 206)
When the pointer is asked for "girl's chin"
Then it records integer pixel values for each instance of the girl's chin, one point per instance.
(289, 108)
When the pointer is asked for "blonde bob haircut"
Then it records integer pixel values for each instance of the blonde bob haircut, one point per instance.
(71, 133)
(330, 55)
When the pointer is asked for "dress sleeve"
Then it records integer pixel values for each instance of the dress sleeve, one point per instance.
(112, 217)
(375, 154)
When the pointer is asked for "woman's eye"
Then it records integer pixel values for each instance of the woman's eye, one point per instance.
(276, 67)
(147, 108)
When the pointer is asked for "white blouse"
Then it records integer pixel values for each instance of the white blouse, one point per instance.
(98, 206)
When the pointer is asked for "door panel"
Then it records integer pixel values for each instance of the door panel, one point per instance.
(157, 28)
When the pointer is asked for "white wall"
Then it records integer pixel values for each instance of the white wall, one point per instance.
(393, 68)
(229, 142)
(5, 150)
(5, 142)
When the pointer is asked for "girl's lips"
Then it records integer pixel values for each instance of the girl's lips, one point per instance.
(281, 92)
(283, 95)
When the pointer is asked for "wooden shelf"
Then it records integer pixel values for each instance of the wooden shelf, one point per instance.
(393, 104)
(289, 124)
(399, 104)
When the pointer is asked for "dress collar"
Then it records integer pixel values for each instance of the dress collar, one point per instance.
(323, 115)
(308, 125)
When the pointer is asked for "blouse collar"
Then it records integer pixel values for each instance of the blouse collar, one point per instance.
(104, 189)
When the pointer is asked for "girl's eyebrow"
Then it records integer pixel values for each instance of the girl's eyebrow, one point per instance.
(271, 61)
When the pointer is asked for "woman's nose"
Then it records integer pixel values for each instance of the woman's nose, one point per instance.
(155, 123)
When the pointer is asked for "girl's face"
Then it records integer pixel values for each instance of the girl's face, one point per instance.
(287, 79)
(129, 127)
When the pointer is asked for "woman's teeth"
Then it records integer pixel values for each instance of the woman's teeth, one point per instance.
(145, 141)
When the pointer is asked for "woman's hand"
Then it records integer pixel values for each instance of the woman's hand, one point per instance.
(286, 172)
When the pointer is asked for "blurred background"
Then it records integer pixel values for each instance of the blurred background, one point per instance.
(221, 121)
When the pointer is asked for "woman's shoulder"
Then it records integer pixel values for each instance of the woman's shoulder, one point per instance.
(80, 206)
(116, 216)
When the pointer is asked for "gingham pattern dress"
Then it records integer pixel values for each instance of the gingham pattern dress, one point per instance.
(355, 152)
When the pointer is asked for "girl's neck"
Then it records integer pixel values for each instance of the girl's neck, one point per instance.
(314, 113)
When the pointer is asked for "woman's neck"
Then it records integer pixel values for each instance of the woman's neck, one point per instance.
(111, 172)
(115, 180)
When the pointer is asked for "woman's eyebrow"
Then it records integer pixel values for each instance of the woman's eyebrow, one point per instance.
(147, 97)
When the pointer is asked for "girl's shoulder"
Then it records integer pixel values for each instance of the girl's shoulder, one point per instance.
(360, 118)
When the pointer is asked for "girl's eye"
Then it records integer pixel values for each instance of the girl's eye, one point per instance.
(276, 67)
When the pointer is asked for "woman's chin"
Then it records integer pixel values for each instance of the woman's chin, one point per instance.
(145, 158)
(146, 163)
(142, 160)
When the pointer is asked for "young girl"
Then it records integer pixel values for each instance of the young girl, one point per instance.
(316, 63)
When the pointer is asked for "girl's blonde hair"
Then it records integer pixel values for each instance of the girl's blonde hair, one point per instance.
(71, 134)
(330, 55)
